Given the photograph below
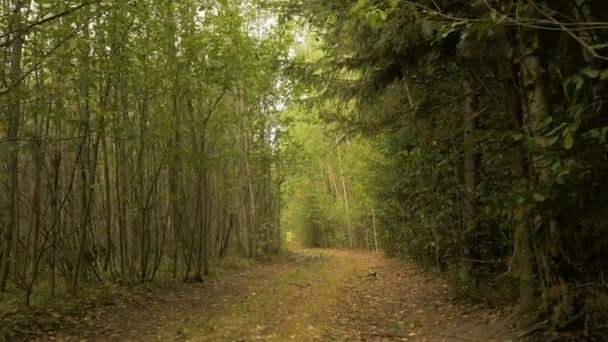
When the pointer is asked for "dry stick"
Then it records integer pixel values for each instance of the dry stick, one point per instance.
(369, 274)
(536, 327)
(300, 286)
(409, 96)
(602, 279)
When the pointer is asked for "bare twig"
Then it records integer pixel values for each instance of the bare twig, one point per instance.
(300, 286)
(39, 63)
(602, 280)
(50, 18)
(578, 39)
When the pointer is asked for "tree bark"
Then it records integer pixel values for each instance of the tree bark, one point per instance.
(348, 218)
(535, 110)
(469, 205)
(14, 109)
(469, 167)
(375, 234)
(87, 167)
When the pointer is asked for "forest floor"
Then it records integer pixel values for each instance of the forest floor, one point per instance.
(312, 295)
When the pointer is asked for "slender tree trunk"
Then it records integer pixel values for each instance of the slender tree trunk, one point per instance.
(469, 169)
(375, 231)
(107, 198)
(55, 205)
(348, 218)
(469, 205)
(207, 217)
(367, 244)
(252, 215)
(56, 199)
(535, 112)
(11, 233)
(85, 167)
(36, 205)
(175, 188)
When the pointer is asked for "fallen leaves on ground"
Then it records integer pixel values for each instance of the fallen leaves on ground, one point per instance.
(313, 295)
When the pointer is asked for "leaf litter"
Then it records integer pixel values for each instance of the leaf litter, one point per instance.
(312, 295)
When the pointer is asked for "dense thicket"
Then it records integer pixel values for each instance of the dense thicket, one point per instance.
(136, 139)
(489, 120)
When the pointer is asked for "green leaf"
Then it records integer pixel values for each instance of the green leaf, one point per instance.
(551, 141)
(604, 134)
(553, 131)
(383, 15)
(538, 197)
(568, 141)
(493, 16)
(555, 166)
(372, 20)
(578, 83)
(360, 5)
(518, 136)
(594, 133)
(591, 73)
(426, 29)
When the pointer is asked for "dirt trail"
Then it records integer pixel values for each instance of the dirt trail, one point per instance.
(316, 295)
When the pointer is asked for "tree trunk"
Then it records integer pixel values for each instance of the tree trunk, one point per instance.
(85, 166)
(56, 206)
(469, 205)
(348, 218)
(469, 167)
(375, 234)
(535, 110)
(107, 198)
(14, 111)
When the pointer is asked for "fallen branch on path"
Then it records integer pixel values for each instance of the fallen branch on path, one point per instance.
(540, 326)
(300, 286)
(370, 273)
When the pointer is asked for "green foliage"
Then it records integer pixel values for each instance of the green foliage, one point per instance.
(395, 72)
(148, 140)
(326, 201)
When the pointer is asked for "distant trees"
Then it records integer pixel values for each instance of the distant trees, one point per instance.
(136, 138)
(326, 200)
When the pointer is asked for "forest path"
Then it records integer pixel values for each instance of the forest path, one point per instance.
(315, 295)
